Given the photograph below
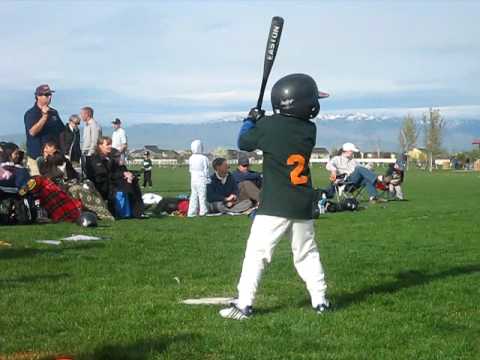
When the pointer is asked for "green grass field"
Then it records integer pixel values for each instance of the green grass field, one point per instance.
(404, 278)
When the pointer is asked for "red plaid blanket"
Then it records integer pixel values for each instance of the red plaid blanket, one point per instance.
(59, 205)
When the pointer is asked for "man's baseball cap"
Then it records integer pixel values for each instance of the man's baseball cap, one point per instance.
(243, 161)
(43, 89)
(117, 121)
(349, 147)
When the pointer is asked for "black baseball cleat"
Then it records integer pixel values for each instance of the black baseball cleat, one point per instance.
(236, 313)
(323, 307)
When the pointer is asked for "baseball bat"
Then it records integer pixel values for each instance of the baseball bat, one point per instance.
(270, 54)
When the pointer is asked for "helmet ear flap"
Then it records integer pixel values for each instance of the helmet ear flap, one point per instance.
(315, 110)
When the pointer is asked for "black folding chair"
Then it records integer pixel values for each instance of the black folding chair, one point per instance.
(345, 189)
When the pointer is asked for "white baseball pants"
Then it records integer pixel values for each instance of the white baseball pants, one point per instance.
(396, 190)
(198, 199)
(264, 236)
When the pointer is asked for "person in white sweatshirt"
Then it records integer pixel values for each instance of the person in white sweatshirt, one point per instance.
(199, 176)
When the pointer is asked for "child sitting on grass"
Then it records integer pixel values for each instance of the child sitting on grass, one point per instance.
(395, 174)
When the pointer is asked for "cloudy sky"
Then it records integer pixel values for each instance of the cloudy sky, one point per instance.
(180, 61)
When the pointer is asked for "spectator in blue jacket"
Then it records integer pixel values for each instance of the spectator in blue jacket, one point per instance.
(249, 182)
(223, 192)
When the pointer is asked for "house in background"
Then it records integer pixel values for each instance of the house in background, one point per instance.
(379, 155)
(232, 155)
(418, 154)
(160, 157)
(320, 155)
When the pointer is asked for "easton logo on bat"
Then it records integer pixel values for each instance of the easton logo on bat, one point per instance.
(272, 42)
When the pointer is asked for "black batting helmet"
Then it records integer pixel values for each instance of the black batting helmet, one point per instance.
(297, 95)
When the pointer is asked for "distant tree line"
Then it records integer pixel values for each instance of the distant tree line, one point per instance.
(432, 125)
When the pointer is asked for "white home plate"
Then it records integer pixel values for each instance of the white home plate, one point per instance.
(82, 238)
(209, 301)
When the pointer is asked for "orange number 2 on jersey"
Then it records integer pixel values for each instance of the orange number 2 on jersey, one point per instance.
(296, 176)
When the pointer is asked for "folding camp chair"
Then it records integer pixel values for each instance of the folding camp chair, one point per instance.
(347, 190)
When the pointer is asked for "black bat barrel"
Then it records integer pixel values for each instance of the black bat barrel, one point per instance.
(273, 42)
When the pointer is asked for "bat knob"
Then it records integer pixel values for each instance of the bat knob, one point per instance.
(256, 114)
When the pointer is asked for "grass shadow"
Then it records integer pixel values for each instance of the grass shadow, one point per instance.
(405, 280)
(17, 253)
(139, 350)
(31, 279)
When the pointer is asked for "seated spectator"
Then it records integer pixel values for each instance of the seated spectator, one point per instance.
(249, 182)
(11, 161)
(395, 175)
(56, 166)
(70, 140)
(223, 192)
(345, 165)
(5, 175)
(59, 169)
(111, 178)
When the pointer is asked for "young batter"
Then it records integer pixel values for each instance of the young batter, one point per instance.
(287, 139)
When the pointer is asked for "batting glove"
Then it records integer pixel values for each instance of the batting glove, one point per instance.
(256, 114)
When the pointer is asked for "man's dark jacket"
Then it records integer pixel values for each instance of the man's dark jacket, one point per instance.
(216, 191)
(107, 175)
(70, 143)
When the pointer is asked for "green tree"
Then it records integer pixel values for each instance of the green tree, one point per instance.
(220, 152)
(433, 124)
(408, 135)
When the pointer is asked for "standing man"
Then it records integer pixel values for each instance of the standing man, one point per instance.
(70, 140)
(287, 139)
(119, 140)
(42, 124)
(91, 133)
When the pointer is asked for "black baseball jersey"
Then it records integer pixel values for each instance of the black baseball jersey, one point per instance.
(287, 144)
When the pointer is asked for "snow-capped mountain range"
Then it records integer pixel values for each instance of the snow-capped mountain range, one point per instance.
(370, 129)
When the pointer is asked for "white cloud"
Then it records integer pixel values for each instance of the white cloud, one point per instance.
(200, 53)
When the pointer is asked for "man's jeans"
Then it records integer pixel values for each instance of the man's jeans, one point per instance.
(363, 176)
